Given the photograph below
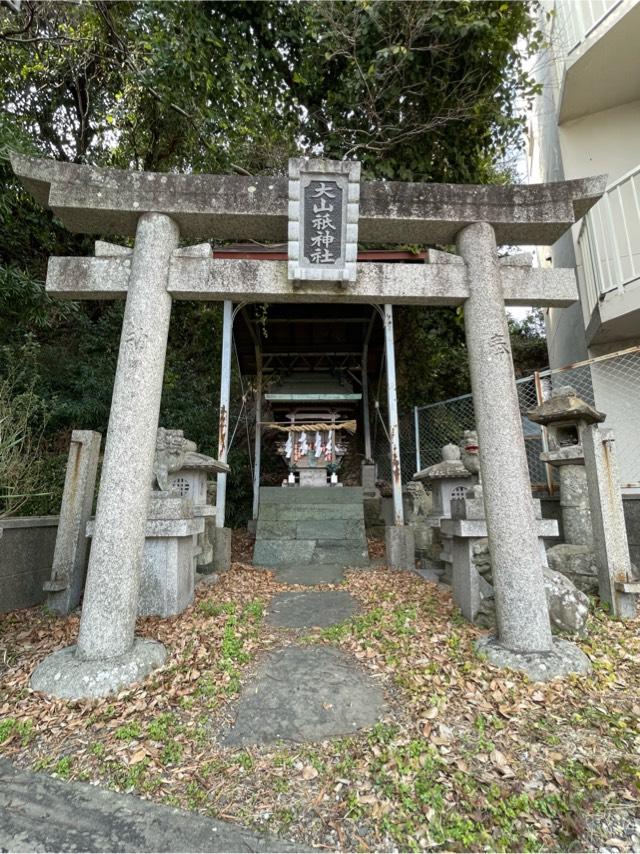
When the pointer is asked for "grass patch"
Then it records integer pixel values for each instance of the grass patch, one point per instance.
(10, 727)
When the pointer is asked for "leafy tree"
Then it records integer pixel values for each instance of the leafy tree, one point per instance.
(422, 91)
(21, 424)
(528, 343)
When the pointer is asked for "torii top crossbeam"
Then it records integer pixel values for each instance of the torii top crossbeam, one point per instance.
(111, 201)
(231, 207)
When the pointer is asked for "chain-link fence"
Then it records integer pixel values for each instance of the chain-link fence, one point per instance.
(444, 422)
(610, 383)
(407, 436)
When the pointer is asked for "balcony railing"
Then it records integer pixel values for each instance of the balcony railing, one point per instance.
(609, 240)
(577, 19)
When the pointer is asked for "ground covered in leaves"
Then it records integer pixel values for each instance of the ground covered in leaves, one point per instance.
(465, 758)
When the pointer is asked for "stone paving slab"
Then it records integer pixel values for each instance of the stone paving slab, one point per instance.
(274, 552)
(313, 495)
(40, 813)
(301, 512)
(310, 574)
(305, 694)
(314, 608)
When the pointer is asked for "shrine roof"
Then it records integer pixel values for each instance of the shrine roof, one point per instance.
(91, 200)
(310, 386)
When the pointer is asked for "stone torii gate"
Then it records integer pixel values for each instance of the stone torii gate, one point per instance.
(158, 210)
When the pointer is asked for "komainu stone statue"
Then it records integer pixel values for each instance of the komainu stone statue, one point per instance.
(174, 453)
(419, 505)
(469, 452)
(171, 452)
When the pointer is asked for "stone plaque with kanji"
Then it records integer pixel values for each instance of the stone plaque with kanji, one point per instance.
(323, 219)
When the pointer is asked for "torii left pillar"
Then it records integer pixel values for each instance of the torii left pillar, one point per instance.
(108, 656)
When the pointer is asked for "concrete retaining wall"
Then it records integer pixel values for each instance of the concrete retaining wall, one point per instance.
(26, 556)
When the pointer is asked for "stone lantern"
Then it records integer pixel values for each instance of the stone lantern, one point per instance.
(565, 416)
(192, 482)
(448, 480)
(586, 457)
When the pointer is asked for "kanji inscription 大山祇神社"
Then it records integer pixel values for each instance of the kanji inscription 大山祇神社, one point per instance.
(323, 219)
(323, 222)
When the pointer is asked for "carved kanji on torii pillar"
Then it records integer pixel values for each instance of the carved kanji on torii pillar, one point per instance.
(158, 210)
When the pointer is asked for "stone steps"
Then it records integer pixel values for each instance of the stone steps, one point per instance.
(311, 526)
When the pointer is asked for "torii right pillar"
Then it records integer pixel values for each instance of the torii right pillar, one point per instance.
(524, 639)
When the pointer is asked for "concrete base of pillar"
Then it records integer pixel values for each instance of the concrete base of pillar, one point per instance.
(626, 599)
(369, 476)
(222, 550)
(564, 658)
(63, 675)
(252, 526)
(400, 547)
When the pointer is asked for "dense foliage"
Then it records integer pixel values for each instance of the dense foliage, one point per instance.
(429, 90)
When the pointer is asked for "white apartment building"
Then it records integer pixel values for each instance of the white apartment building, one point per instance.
(587, 122)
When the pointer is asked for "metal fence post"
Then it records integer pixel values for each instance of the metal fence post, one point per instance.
(396, 472)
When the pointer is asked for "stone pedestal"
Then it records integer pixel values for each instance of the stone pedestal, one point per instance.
(170, 554)
(400, 547)
(70, 557)
(466, 529)
(65, 674)
(169, 567)
(574, 500)
(167, 580)
(448, 481)
(221, 550)
(313, 477)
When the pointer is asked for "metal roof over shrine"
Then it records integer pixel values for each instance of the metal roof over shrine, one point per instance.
(306, 337)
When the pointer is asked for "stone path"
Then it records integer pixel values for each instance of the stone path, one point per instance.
(313, 608)
(40, 813)
(305, 694)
